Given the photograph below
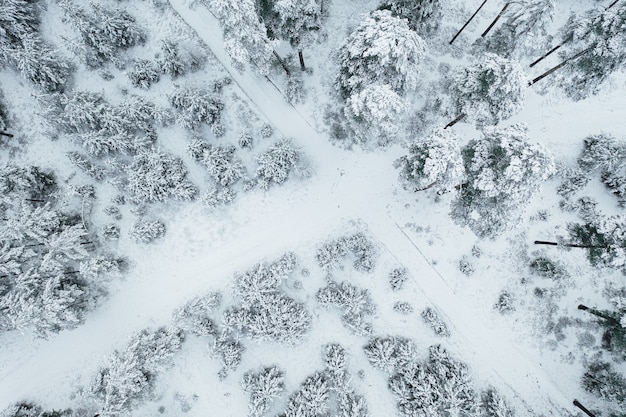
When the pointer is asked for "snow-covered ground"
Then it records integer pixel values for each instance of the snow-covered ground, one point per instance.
(349, 190)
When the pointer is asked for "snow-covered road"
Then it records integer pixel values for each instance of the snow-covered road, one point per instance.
(345, 185)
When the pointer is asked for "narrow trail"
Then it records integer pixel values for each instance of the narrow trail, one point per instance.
(168, 277)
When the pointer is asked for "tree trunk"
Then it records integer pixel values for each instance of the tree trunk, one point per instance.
(301, 57)
(282, 62)
(550, 52)
(569, 38)
(600, 314)
(555, 68)
(468, 22)
(506, 5)
(584, 410)
(569, 245)
(6, 134)
(455, 121)
(544, 242)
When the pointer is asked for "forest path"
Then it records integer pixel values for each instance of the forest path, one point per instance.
(346, 185)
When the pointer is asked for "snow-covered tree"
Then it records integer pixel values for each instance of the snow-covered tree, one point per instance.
(435, 161)
(423, 16)
(489, 91)
(262, 387)
(435, 322)
(389, 354)
(18, 18)
(104, 31)
(40, 64)
(158, 176)
(30, 409)
(279, 162)
(602, 152)
(282, 320)
(194, 316)
(196, 106)
(494, 405)
(523, 30)
(299, 22)
(605, 239)
(602, 380)
(600, 36)
(374, 113)
(229, 351)
(146, 231)
(245, 37)
(45, 283)
(355, 304)
(129, 375)
(144, 74)
(311, 400)
(503, 172)
(175, 62)
(102, 128)
(266, 313)
(223, 165)
(382, 49)
(397, 278)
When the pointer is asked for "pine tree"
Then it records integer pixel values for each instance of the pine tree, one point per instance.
(311, 400)
(279, 162)
(382, 49)
(40, 64)
(432, 162)
(157, 176)
(602, 152)
(605, 239)
(144, 74)
(603, 381)
(423, 16)
(300, 22)
(489, 91)
(196, 106)
(503, 172)
(222, 164)
(146, 231)
(598, 39)
(263, 387)
(245, 38)
(104, 31)
(524, 29)
(129, 374)
(373, 114)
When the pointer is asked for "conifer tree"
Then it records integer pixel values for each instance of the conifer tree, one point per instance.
(503, 172)
(489, 91)
(245, 37)
(382, 49)
(300, 22)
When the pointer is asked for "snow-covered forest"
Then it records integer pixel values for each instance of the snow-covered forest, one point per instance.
(307, 208)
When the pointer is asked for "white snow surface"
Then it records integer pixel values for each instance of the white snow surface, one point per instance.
(348, 189)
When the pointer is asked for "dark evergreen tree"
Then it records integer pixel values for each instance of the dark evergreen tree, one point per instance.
(299, 22)
(603, 381)
(604, 238)
(423, 16)
(596, 41)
